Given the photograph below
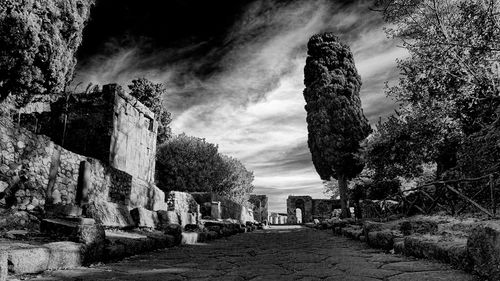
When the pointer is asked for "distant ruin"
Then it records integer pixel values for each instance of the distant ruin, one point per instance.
(304, 209)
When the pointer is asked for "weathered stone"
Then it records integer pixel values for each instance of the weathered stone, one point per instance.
(144, 218)
(383, 239)
(352, 232)
(438, 248)
(418, 226)
(167, 217)
(215, 212)
(183, 204)
(56, 197)
(3, 186)
(369, 226)
(483, 247)
(64, 255)
(89, 234)
(110, 214)
(189, 238)
(4, 268)
(28, 259)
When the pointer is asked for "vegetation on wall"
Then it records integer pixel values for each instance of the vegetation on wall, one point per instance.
(335, 120)
(152, 95)
(191, 164)
(38, 41)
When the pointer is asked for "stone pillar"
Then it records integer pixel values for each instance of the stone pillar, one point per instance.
(215, 211)
(3, 266)
(84, 184)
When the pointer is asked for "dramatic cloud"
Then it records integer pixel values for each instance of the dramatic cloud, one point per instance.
(245, 93)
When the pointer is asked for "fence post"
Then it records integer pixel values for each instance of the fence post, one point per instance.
(492, 194)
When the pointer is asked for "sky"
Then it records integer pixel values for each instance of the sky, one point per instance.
(233, 70)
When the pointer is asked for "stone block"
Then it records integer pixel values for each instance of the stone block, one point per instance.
(144, 217)
(28, 259)
(438, 248)
(352, 232)
(4, 268)
(189, 238)
(167, 217)
(383, 239)
(216, 211)
(87, 233)
(64, 255)
(418, 226)
(110, 214)
(483, 247)
(369, 226)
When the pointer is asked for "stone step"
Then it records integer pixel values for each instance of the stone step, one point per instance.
(25, 258)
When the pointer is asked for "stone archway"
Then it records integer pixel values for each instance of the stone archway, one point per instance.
(299, 210)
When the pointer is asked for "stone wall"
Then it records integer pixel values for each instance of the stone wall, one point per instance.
(34, 171)
(184, 206)
(133, 141)
(31, 164)
(109, 125)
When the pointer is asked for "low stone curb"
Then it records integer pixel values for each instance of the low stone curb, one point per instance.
(479, 253)
(24, 258)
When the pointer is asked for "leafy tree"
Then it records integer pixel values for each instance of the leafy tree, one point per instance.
(236, 180)
(151, 95)
(191, 164)
(448, 86)
(404, 142)
(335, 120)
(38, 41)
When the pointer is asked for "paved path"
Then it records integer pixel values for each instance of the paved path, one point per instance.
(281, 253)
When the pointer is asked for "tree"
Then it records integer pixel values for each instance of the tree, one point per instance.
(191, 164)
(414, 136)
(38, 41)
(152, 95)
(335, 120)
(448, 86)
(236, 180)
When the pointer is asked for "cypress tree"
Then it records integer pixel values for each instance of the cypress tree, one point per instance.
(335, 119)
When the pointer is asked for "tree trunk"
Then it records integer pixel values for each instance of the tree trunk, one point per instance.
(346, 213)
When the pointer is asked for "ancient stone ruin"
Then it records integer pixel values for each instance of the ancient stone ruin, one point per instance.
(85, 164)
(304, 209)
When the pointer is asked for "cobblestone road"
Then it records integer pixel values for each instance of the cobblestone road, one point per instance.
(281, 253)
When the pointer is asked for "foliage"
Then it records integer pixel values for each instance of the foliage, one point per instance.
(191, 164)
(335, 120)
(405, 141)
(480, 153)
(448, 86)
(236, 180)
(38, 41)
(151, 95)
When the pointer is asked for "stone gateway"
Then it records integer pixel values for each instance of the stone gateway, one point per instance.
(304, 209)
